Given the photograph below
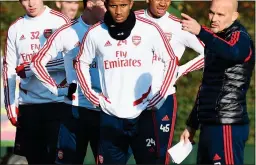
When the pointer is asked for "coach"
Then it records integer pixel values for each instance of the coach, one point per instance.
(220, 107)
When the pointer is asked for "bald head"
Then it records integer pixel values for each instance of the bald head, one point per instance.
(222, 14)
(230, 4)
(235, 4)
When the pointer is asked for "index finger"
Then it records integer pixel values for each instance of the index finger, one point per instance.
(186, 16)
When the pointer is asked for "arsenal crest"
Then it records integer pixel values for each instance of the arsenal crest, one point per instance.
(168, 36)
(136, 40)
(47, 33)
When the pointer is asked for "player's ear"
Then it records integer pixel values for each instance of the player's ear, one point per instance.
(58, 4)
(131, 4)
(106, 4)
(235, 16)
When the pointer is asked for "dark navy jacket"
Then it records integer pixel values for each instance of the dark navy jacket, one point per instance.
(229, 62)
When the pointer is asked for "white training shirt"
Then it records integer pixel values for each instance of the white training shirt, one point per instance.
(25, 37)
(179, 40)
(125, 68)
(66, 40)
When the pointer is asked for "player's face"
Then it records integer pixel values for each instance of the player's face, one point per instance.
(119, 9)
(98, 9)
(33, 8)
(158, 8)
(221, 15)
(69, 8)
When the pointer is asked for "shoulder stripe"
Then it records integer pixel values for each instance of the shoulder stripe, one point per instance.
(38, 58)
(87, 92)
(166, 43)
(13, 23)
(174, 18)
(139, 12)
(95, 25)
(172, 66)
(54, 12)
(233, 40)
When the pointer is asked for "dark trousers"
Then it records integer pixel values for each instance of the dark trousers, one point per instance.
(222, 144)
(117, 135)
(76, 131)
(38, 133)
(164, 120)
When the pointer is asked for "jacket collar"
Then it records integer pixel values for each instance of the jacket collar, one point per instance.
(233, 27)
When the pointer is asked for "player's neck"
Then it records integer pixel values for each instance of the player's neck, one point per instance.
(88, 18)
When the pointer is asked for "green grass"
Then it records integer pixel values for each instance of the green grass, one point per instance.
(7, 143)
(3, 111)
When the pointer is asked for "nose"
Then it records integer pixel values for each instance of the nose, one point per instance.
(162, 3)
(214, 17)
(118, 10)
(73, 6)
(31, 3)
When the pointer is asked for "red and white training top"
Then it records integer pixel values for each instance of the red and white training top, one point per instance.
(125, 68)
(179, 40)
(66, 40)
(25, 37)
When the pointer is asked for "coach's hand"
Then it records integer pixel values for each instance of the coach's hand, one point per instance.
(188, 135)
(189, 24)
(71, 90)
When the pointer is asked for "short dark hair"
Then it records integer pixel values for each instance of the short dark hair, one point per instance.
(85, 3)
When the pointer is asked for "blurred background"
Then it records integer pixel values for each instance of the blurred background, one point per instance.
(187, 85)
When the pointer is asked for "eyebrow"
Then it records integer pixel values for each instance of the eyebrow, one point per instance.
(211, 11)
(216, 12)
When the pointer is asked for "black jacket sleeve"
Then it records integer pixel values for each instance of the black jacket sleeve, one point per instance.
(192, 120)
(238, 48)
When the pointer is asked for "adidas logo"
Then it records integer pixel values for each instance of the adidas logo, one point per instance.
(22, 37)
(216, 157)
(165, 118)
(108, 44)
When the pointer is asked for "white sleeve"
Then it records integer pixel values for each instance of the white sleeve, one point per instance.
(60, 41)
(52, 66)
(194, 43)
(10, 62)
(165, 51)
(84, 59)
